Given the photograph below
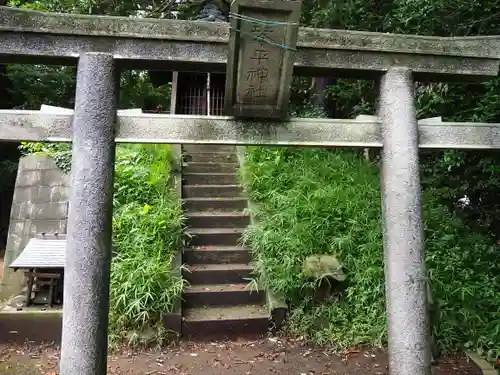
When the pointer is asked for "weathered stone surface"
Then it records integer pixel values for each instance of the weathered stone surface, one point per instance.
(23, 194)
(405, 275)
(39, 206)
(483, 46)
(486, 367)
(42, 177)
(176, 176)
(42, 211)
(16, 230)
(19, 210)
(29, 178)
(55, 177)
(186, 45)
(37, 162)
(34, 326)
(298, 132)
(86, 282)
(12, 19)
(46, 226)
(294, 132)
(34, 125)
(318, 266)
(21, 230)
(42, 194)
(58, 193)
(260, 58)
(370, 64)
(44, 108)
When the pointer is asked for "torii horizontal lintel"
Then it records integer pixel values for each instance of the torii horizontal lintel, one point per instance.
(36, 37)
(363, 132)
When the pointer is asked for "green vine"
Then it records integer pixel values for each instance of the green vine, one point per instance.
(60, 152)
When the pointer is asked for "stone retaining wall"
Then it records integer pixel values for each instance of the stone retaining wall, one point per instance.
(40, 205)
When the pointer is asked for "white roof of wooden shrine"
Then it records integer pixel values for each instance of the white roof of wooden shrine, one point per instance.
(42, 252)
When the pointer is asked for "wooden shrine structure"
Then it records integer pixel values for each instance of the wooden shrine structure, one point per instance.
(103, 46)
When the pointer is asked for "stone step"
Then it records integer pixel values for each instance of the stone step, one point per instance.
(222, 294)
(193, 167)
(212, 191)
(210, 178)
(215, 236)
(215, 157)
(217, 219)
(203, 274)
(216, 255)
(214, 204)
(189, 149)
(228, 321)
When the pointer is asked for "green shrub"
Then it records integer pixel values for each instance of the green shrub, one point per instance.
(60, 152)
(464, 273)
(316, 201)
(147, 233)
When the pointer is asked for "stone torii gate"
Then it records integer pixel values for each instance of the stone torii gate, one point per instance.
(102, 46)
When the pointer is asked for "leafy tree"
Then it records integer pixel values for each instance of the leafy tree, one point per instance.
(455, 173)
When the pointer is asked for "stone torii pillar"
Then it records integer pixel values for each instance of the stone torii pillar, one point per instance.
(86, 283)
(406, 294)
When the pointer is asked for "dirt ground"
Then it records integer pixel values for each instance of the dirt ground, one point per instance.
(260, 357)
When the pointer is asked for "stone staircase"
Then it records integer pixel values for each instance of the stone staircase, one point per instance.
(218, 301)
